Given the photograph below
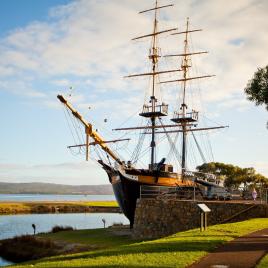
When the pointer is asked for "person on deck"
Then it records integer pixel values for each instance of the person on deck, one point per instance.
(254, 194)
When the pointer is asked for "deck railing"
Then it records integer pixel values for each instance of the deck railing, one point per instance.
(195, 194)
(161, 108)
(169, 193)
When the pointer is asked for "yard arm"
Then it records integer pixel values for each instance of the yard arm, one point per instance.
(89, 131)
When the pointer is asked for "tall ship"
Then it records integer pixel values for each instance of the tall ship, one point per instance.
(168, 138)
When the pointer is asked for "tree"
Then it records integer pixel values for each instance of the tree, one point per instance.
(257, 88)
(234, 177)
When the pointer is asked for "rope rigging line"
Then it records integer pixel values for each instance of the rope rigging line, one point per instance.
(137, 150)
(205, 137)
(120, 147)
(68, 123)
(74, 123)
(171, 150)
(98, 153)
(199, 148)
(176, 153)
(192, 156)
(73, 130)
(207, 144)
(146, 150)
(149, 148)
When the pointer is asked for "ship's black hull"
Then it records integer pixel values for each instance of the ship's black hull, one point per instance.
(127, 187)
(126, 193)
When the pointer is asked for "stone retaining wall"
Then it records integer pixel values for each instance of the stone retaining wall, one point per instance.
(158, 218)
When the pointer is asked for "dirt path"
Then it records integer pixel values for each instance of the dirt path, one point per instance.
(243, 252)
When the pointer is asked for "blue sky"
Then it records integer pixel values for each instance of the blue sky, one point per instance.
(46, 47)
(16, 14)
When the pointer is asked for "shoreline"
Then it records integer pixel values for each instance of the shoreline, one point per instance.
(116, 247)
(25, 248)
(44, 207)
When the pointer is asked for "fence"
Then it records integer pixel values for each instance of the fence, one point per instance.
(170, 193)
(264, 195)
(196, 193)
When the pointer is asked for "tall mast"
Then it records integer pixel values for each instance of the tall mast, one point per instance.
(153, 109)
(184, 66)
(184, 118)
(154, 58)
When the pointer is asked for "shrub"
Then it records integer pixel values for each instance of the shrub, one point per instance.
(26, 247)
(58, 228)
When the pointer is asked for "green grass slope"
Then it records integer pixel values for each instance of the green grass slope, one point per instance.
(95, 238)
(263, 263)
(179, 250)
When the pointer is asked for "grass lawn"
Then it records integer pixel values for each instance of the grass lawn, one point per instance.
(178, 250)
(95, 238)
(263, 263)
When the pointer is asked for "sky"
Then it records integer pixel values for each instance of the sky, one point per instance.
(82, 48)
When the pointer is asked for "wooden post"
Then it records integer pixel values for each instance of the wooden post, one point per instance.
(203, 216)
(201, 221)
(205, 221)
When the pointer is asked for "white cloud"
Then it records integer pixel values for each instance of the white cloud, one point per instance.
(262, 167)
(62, 82)
(90, 40)
(238, 103)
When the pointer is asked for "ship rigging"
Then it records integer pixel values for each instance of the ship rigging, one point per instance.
(125, 176)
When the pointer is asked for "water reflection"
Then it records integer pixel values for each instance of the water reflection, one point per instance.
(15, 225)
(4, 262)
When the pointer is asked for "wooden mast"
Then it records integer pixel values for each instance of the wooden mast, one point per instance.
(183, 117)
(90, 132)
(154, 58)
(184, 66)
(154, 110)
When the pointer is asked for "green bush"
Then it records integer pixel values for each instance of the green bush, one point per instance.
(58, 228)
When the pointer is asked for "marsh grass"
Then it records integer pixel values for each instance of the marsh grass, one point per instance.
(50, 207)
(101, 203)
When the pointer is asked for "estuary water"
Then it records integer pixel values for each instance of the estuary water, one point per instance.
(16, 225)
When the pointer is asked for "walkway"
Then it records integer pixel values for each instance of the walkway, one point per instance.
(243, 252)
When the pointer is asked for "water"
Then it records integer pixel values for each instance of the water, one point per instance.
(52, 197)
(3, 262)
(15, 225)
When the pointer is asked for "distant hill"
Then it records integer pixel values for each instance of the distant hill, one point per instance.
(51, 188)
